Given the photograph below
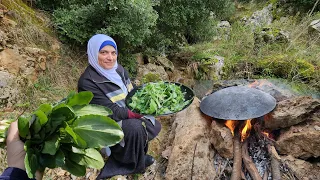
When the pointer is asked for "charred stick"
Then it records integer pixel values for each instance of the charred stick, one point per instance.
(265, 175)
(237, 160)
(248, 163)
(275, 163)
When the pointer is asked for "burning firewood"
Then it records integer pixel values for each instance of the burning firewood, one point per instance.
(248, 163)
(237, 159)
(275, 162)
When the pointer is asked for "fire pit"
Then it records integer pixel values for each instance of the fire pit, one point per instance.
(239, 106)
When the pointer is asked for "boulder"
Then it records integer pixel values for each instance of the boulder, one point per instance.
(35, 51)
(191, 154)
(224, 29)
(222, 139)
(301, 141)
(293, 111)
(165, 62)
(9, 93)
(315, 26)
(153, 69)
(302, 169)
(261, 18)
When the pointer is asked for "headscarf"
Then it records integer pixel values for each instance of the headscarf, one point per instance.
(95, 44)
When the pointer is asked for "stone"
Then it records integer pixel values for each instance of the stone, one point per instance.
(300, 141)
(165, 62)
(139, 58)
(302, 169)
(192, 154)
(314, 26)
(35, 51)
(152, 68)
(261, 18)
(222, 139)
(9, 93)
(293, 111)
(224, 29)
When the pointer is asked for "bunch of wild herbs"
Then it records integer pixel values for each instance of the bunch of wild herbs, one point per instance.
(158, 98)
(68, 134)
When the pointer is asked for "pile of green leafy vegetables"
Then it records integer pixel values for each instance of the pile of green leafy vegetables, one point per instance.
(68, 134)
(158, 98)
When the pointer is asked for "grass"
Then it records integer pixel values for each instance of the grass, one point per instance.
(58, 80)
(299, 59)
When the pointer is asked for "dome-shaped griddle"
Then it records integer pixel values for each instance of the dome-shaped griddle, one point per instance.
(237, 103)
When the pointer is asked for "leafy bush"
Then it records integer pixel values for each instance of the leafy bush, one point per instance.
(190, 21)
(298, 5)
(128, 22)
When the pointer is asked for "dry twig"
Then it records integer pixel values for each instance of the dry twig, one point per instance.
(237, 160)
(275, 163)
(248, 163)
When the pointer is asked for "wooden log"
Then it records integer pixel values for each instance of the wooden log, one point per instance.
(248, 163)
(275, 163)
(237, 159)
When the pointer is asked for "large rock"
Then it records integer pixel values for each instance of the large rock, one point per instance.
(153, 69)
(222, 139)
(191, 154)
(165, 62)
(315, 26)
(9, 93)
(261, 18)
(301, 141)
(293, 111)
(302, 169)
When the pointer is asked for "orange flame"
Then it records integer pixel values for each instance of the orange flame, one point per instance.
(231, 125)
(259, 83)
(245, 132)
(266, 134)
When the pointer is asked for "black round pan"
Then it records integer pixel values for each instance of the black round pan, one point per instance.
(237, 103)
(189, 95)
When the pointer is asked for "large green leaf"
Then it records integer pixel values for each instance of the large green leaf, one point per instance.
(47, 160)
(31, 162)
(82, 98)
(23, 126)
(74, 168)
(46, 108)
(41, 120)
(60, 113)
(76, 138)
(92, 109)
(54, 161)
(51, 145)
(88, 157)
(98, 131)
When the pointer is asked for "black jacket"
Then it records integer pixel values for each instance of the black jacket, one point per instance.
(105, 92)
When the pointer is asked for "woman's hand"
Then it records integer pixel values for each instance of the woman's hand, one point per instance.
(15, 147)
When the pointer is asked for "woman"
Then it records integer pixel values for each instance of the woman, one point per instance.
(109, 82)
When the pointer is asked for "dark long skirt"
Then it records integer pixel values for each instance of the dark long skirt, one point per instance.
(130, 159)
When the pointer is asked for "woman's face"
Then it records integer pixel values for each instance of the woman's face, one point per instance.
(107, 57)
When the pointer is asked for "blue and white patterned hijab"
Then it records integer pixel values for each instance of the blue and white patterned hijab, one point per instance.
(95, 44)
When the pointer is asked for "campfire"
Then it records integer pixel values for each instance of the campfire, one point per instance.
(221, 144)
(241, 130)
(241, 106)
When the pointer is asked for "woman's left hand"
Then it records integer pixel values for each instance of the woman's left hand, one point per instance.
(15, 147)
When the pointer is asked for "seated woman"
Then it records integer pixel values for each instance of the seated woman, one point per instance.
(109, 82)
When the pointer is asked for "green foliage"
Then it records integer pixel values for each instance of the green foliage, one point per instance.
(158, 98)
(298, 5)
(67, 134)
(129, 22)
(283, 67)
(151, 77)
(190, 21)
